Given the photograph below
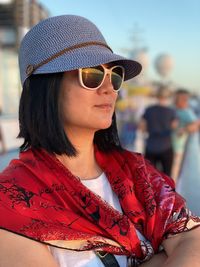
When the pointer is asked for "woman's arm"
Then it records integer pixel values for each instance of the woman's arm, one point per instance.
(183, 250)
(19, 251)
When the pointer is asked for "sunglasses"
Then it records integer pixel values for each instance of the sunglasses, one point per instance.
(93, 77)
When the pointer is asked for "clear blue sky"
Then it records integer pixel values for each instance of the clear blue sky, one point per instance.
(171, 27)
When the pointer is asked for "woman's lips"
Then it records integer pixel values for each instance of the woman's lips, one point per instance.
(104, 106)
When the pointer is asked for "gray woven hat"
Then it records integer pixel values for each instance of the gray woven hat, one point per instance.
(64, 43)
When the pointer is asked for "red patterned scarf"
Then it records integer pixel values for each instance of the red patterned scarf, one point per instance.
(41, 199)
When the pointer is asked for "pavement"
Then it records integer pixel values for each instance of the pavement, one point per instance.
(9, 127)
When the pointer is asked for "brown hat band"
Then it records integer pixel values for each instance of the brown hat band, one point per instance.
(31, 68)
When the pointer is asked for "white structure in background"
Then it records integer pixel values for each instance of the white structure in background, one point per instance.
(5, 1)
(163, 65)
(16, 17)
(10, 131)
(141, 55)
(9, 81)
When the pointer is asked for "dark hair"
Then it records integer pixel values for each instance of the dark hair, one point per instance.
(163, 91)
(181, 91)
(40, 120)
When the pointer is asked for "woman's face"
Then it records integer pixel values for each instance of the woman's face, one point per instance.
(86, 109)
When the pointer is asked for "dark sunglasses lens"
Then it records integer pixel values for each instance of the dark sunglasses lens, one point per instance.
(92, 77)
(117, 77)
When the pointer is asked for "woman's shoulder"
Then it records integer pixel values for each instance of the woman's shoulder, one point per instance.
(21, 163)
(27, 171)
(139, 165)
(128, 160)
(134, 158)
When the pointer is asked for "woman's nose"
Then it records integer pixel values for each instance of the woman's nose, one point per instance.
(107, 86)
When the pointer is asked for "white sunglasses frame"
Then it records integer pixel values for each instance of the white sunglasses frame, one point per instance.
(106, 71)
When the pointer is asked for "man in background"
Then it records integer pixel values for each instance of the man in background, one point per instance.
(158, 121)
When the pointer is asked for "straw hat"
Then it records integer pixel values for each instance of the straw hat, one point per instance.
(65, 43)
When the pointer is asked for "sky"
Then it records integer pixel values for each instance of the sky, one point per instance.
(163, 27)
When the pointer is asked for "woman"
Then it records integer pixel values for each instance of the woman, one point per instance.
(75, 197)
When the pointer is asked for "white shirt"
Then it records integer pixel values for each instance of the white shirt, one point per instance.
(69, 258)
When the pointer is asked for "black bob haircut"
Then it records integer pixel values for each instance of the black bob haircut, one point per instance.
(40, 120)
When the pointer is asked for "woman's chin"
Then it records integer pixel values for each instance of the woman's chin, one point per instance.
(104, 125)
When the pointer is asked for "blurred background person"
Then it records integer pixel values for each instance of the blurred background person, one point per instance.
(158, 121)
(188, 123)
(186, 167)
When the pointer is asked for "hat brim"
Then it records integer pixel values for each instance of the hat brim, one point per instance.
(89, 57)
